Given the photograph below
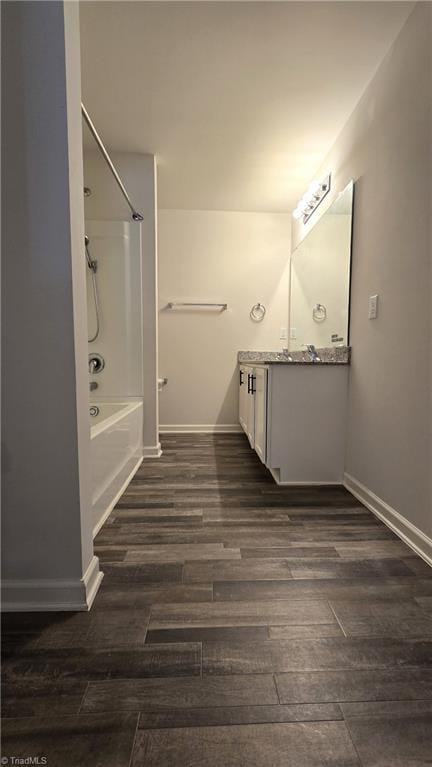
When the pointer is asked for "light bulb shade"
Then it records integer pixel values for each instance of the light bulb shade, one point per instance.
(303, 206)
(297, 213)
(315, 187)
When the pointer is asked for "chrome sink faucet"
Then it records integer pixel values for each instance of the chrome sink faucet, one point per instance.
(313, 353)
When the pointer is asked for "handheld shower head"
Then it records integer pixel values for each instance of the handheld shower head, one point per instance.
(92, 265)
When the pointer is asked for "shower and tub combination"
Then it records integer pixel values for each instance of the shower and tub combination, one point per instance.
(112, 250)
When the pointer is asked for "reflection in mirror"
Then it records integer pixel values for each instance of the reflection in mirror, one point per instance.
(320, 279)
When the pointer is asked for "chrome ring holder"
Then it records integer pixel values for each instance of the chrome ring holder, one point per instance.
(319, 313)
(257, 313)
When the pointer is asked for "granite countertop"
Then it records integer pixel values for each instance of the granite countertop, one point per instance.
(334, 355)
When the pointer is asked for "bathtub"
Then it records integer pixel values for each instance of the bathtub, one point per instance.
(116, 452)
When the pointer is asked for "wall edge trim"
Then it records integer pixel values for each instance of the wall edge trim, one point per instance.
(92, 579)
(308, 483)
(152, 451)
(52, 594)
(415, 538)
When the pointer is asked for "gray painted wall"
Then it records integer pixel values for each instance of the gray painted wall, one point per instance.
(386, 147)
(46, 491)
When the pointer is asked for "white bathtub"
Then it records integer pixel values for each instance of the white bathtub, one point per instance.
(116, 452)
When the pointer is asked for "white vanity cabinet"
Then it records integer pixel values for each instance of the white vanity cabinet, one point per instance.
(295, 419)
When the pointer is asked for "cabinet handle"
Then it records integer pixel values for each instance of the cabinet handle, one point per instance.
(241, 378)
(248, 383)
(253, 379)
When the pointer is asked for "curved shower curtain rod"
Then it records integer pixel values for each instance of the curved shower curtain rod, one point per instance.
(135, 215)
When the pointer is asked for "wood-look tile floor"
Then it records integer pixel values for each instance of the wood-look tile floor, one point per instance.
(239, 624)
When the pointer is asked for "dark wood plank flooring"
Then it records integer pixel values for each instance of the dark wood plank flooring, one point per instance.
(239, 624)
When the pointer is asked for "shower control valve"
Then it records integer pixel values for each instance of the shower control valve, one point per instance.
(96, 363)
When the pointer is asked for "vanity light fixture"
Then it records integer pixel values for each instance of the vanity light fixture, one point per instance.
(312, 198)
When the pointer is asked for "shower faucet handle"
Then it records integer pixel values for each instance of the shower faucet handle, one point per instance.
(96, 363)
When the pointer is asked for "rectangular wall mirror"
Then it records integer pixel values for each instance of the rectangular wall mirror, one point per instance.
(320, 279)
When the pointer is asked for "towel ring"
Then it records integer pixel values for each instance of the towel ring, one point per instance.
(257, 313)
(319, 313)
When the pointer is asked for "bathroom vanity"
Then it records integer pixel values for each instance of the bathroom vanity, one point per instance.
(293, 404)
(293, 411)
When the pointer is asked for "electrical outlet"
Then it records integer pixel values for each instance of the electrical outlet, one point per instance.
(373, 307)
(283, 333)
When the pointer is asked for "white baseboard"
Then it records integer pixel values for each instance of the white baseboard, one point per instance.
(200, 428)
(409, 533)
(152, 451)
(92, 580)
(116, 497)
(276, 476)
(49, 594)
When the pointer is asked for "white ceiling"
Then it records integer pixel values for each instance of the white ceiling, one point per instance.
(240, 101)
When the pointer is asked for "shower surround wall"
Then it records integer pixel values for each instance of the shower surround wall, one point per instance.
(117, 429)
(116, 247)
(106, 204)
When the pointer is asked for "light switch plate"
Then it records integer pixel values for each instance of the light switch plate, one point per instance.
(373, 307)
(293, 333)
(283, 333)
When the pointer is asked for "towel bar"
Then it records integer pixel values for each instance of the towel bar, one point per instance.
(189, 304)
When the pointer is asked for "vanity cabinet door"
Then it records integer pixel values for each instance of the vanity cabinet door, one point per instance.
(250, 406)
(243, 398)
(260, 412)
